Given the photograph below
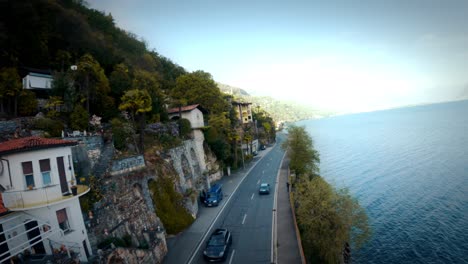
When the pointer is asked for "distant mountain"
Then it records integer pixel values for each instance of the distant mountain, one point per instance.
(279, 110)
(232, 90)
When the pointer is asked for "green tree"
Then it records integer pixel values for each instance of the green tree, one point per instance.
(62, 86)
(304, 158)
(27, 103)
(144, 80)
(79, 118)
(10, 87)
(137, 103)
(92, 83)
(327, 218)
(199, 88)
(120, 81)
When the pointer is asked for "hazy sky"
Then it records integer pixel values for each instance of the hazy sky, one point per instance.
(354, 55)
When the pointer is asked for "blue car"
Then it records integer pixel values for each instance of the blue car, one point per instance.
(264, 188)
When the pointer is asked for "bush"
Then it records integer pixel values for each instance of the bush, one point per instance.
(119, 135)
(52, 127)
(79, 118)
(27, 103)
(169, 205)
(185, 127)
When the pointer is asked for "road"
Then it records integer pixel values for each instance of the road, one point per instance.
(248, 215)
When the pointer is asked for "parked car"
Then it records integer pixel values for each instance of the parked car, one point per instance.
(217, 246)
(214, 195)
(262, 147)
(264, 188)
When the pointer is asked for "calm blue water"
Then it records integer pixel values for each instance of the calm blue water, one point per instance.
(409, 169)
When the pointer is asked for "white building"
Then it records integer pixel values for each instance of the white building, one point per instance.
(40, 215)
(194, 113)
(35, 80)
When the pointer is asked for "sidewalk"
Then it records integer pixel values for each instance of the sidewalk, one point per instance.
(288, 248)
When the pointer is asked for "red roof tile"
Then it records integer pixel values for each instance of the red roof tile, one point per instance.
(31, 143)
(185, 109)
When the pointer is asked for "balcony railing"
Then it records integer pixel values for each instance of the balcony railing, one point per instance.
(38, 197)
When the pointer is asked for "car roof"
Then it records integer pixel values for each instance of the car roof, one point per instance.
(220, 231)
(264, 184)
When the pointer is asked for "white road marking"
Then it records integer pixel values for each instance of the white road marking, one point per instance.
(263, 172)
(251, 197)
(232, 256)
(258, 181)
(243, 221)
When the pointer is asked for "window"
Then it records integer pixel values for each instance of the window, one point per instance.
(62, 218)
(28, 173)
(45, 171)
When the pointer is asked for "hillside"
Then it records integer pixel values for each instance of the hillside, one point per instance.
(278, 109)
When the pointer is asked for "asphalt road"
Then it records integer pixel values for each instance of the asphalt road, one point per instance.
(248, 215)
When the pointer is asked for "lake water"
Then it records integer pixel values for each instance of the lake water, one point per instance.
(408, 167)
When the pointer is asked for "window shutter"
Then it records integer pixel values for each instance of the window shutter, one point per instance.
(27, 167)
(45, 165)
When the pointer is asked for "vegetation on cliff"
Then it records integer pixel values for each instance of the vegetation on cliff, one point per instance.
(327, 218)
(170, 205)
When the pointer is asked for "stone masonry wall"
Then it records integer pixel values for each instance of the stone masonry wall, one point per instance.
(127, 209)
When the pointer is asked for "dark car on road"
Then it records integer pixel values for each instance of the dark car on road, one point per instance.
(217, 247)
(264, 188)
(214, 196)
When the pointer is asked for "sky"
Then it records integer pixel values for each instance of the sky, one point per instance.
(343, 55)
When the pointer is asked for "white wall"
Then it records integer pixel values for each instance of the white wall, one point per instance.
(33, 82)
(17, 177)
(195, 117)
(75, 218)
(13, 226)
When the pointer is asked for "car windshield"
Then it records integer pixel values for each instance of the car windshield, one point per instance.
(264, 185)
(216, 241)
(211, 195)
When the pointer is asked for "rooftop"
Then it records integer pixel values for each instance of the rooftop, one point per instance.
(186, 109)
(32, 143)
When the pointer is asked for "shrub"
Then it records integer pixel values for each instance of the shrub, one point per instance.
(169, 205)
(27, 103)
(118, 135)
(79, 118)
(52, 127)
(185, 127)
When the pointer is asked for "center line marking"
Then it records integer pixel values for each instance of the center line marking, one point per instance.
(243, 221)
(252, 196)
(258, 181)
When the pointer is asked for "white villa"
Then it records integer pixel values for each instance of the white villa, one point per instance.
(40, 217)
(194, 113)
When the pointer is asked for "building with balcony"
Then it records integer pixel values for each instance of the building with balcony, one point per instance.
(244, 112)
(40, 214)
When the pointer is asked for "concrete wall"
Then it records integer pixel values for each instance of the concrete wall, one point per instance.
(127, 165)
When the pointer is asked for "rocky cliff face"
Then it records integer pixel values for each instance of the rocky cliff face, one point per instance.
(127, 209)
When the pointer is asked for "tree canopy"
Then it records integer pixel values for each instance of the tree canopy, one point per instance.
(327, 218)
